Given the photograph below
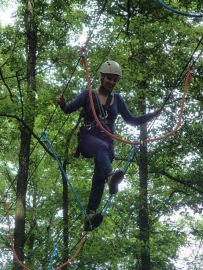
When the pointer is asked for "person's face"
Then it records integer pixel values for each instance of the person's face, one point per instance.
(110, 81)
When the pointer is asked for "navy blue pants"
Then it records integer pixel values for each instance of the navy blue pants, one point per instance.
(103, 154)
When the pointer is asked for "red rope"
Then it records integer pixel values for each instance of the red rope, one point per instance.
(188, 79)
(76, 253)
(10, 236)
(13, 249)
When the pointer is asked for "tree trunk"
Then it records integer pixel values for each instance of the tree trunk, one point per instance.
(24, 155)
(65, 217)
(65, 195)
(143, 197)
(19, 232)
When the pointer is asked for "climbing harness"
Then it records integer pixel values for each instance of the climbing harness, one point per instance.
(179, 12)
(187, 80)
(103, 109)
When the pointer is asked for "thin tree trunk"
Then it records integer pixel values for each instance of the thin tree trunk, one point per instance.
(143, 196)
(19, 232)
(24, 155)
(65, 195)
(65, 217)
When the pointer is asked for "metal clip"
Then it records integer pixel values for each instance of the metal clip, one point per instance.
(82, 54)
(103, 117)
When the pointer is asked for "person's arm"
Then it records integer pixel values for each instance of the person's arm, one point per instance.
(130, 118)
(73, 105)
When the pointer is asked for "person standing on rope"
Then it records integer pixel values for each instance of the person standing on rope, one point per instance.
(92, 141)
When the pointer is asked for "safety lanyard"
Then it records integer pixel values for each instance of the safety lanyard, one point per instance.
(103, 109)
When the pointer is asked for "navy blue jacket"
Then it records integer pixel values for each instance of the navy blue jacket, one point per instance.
(118, 107)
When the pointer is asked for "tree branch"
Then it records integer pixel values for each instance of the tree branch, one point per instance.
(27, 127)
(11, 181)
(6, 85)
(177, 179)
(9, 54)
(21, 96)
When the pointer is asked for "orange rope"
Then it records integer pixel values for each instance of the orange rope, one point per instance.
(77, 252)
(13, 249)
(188, 79)
(10, 236)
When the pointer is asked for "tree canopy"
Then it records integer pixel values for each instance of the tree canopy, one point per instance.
(158, 211)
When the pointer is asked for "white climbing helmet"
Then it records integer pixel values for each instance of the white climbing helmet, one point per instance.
(111, 67)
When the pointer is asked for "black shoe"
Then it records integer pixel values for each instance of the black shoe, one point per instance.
(113, 180)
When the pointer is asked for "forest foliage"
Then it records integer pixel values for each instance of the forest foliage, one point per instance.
(153, 47)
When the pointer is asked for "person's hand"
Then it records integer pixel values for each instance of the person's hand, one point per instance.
(157, 112)
(61, 100)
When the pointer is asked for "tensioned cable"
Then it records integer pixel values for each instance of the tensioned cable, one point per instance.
(180, 77)
(95, 24)
(109, 50)
(179, 12)
(178, 81)
(66, 86)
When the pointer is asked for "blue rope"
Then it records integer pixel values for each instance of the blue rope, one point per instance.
(130, 156)
(179, 12)
(54, 253)
(45, 137)
(107, 205)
